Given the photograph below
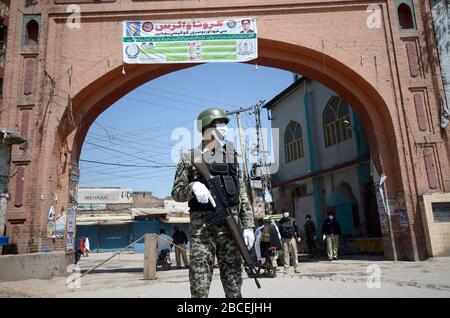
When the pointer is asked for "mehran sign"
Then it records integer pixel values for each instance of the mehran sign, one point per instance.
(99, 195)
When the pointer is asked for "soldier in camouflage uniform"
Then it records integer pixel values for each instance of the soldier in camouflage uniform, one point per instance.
(210, 241)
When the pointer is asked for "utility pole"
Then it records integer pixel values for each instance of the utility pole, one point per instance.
(242, 142)
(247, 182)
(262, 156)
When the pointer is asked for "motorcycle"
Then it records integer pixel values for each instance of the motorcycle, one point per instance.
(163, 259)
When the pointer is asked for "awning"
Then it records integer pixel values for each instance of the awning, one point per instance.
(103, 219)
(152, 212)
(177, 220)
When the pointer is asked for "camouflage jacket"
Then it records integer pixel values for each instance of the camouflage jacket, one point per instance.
(187, 174)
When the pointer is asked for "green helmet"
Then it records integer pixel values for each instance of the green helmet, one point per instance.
(207, 116)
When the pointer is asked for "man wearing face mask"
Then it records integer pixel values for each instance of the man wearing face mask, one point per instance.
(331, 231)
(310, 234)
(288, 230)
(208, 242)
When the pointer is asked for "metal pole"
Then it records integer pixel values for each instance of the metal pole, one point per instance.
(265, 183)
(244, 158)
(258, 151)
(240, 110)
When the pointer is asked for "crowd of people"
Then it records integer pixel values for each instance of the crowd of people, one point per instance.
(283, 235)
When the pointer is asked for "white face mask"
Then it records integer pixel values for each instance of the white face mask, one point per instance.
(222, 131)
(286, 214)
(330, 217)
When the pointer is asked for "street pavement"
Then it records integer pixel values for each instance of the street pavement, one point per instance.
(355, 276)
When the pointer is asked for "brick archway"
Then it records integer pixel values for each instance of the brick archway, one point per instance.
(378, 81)
(94, 99)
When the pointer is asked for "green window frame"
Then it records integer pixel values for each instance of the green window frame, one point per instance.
(334, 116)
(31, 26)
(293, 142)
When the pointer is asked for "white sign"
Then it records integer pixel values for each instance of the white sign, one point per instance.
(176, 206)
(91, 207)
(70, 244)
(96, 195)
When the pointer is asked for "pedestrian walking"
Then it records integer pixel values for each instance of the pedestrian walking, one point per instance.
(331, 230)
(289, 234)
(311, 236)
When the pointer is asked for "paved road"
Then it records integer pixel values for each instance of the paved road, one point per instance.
(352, 277)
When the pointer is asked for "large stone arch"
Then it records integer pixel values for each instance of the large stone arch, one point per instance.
(78, 74)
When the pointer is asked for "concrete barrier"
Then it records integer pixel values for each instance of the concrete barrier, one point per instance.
(35, 265)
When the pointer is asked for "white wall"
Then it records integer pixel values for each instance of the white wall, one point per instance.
(436, 233)
(291, 108)
(336, 154)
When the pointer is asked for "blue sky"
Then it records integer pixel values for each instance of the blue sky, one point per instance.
(137, 129)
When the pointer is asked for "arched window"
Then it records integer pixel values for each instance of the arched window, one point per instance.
(293, 141)
(405, 17)
(32, 33)
(336, 122)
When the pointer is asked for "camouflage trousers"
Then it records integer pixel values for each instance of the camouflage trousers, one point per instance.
(207, 242)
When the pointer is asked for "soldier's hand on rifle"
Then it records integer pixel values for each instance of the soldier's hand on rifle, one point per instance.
(202, 193)
(249, 238)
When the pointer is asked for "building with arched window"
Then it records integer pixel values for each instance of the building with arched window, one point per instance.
(293, 141)
(336, 119)
(30, 31)
(324, 162)
(405, 14)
